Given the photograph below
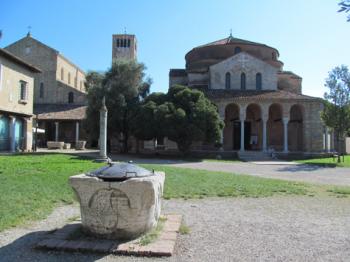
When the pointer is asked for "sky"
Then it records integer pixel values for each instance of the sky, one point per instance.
(311, 36)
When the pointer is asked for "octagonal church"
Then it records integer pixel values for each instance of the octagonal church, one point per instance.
(262, 105)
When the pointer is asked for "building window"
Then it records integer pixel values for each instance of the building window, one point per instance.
(228, 80)
(243, 81)
(62, 74)
(128, 42)
(70, 97)
(238, 50)
(81, 85)
(69, 78)
(41, 90)
(273, 56)
(118, 42)
(23, 92)
(258, 81)
(75, 82)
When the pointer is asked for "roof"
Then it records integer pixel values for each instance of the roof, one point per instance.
(256, 95)
(29, 36)
(177, 72)
(233, 40)
(19, 61)
(290, 73)
(60, 111)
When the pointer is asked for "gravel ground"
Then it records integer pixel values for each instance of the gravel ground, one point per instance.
(222, 229)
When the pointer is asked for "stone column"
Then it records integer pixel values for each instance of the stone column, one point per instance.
(56, 131)
(76, 133)
(242, 135)
(331, 141)
(103, 130)
(12, 134)
(242, 117)
(28, 134)
(264, 146)
(326, 149)
(285, 130)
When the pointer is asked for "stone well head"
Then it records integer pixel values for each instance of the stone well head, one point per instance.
(119, 201)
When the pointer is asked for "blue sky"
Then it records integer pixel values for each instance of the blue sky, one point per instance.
(311, 36)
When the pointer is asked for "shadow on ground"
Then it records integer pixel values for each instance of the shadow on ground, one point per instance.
(23, 249)
(304, 167)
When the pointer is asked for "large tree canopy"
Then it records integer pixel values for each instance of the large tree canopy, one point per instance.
(124, 87)
(183, 115)
(336, 114)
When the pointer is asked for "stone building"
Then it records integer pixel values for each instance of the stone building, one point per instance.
(59, 91)
(261, 104)
(16, 102)
(124, 46)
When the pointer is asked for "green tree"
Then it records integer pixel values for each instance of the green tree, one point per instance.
(336, 113)
(124, 86)
(183, 115)
(345, 7)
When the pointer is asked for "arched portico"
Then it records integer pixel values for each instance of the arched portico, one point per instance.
(295, 128)
(275, 127)
(231, 131)
(253, 127)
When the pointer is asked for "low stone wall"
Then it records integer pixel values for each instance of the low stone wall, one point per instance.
(55, 145)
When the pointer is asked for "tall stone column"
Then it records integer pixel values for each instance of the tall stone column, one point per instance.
(242, 117)
(56, 130)
(332, 141)
(12, 134)
(103, 130)
(76, 132)
(242, 135)
(285, 131)
(264, 134)
(28, 134)
(326, 149)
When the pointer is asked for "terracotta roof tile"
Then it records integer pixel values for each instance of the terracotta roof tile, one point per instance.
(60, 111)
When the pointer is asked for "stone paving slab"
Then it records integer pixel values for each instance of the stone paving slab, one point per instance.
(62, 240)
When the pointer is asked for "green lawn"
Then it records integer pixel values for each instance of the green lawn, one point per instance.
(32, 185)
(329, 161)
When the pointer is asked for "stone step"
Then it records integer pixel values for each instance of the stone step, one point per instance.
(249, 156)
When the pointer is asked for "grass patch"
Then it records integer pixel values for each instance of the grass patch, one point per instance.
(31, 185)
(340, 191)
(153, 235)
(190, 183)
(327, 161)
(184, 229)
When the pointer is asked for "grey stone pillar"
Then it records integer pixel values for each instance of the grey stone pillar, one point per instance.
(103, 130)
(285, 136)
(242, 135)
(76, 132)
(326, 149)
(56, 131)
(12, 134)
(264, 146)
(332, 141)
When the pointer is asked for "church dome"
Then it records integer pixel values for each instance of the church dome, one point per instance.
(201, 57)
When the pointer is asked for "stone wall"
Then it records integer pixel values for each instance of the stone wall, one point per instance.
(289, 82)
(243, 63)
(11, 75)
(69, 74)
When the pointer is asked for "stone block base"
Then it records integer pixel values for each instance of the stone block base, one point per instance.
(62, 240)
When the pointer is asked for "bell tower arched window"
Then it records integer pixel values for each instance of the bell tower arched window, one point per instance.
(228, 80)
(243, 81)
(258, 81)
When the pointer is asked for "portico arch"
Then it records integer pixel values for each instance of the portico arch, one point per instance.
(253, 127)
(295, 128)
(231, 130)
(275, 127)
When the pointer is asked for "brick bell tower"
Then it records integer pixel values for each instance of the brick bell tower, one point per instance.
(124, 46)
